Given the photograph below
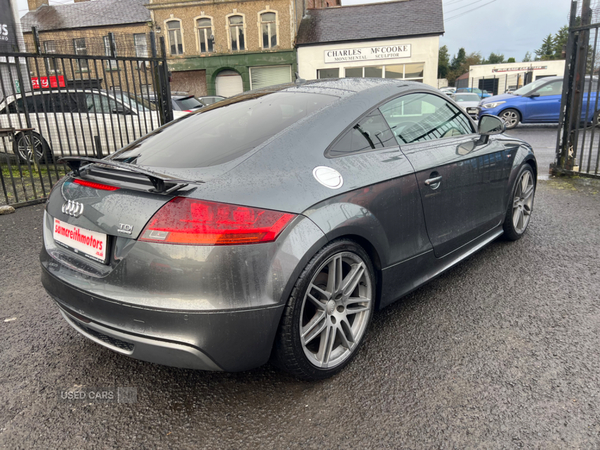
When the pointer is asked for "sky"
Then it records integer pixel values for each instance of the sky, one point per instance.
(508, 27)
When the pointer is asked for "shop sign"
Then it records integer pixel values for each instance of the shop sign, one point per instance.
(367, 53)
(48, 82)
(520, 69)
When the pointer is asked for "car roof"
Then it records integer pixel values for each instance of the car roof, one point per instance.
(374, 89)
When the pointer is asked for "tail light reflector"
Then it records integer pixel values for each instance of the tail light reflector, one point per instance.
(91, 184)
(199, 222)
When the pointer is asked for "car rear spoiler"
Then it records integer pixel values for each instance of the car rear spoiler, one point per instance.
(162, 184)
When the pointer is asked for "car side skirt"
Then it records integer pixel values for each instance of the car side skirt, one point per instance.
(403, 278)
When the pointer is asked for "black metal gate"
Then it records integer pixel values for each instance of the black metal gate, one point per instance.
(578, 140)
(54, 104)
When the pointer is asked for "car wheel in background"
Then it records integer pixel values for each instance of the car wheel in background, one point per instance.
(511, 117)
(520, 205)
(28, 144)
(328, 312)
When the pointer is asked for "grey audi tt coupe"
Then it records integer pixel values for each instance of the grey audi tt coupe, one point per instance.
(272, 225)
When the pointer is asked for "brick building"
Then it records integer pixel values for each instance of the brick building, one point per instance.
(83, 28)
(226, 47)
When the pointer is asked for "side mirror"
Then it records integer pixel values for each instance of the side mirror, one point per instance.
(533, 95)
(489, 125)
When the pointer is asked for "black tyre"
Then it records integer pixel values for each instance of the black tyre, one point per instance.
(520, 204)
(511, 117)
(29, 146)
(328, 312)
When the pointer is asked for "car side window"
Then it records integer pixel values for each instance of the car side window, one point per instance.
(371, 133)
(550, 89)
(423, 117)
(99, 104)
(62, 102)
(33, 103)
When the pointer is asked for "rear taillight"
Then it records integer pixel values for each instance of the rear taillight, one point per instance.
(91, 184)
(198, 222)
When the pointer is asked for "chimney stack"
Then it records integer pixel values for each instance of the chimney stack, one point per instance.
(35, 4)
(322, 4)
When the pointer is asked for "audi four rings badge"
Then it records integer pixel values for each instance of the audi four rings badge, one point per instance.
(71, 208)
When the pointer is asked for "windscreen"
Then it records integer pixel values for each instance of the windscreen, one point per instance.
(530, 87)
(466, 97)
(188, 103)
(219, 134)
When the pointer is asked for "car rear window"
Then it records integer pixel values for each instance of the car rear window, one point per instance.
(223, 132)
(187, 103)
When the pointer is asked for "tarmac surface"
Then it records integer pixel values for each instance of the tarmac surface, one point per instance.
(502, 351)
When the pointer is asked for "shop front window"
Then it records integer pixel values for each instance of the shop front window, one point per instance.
(328, 73)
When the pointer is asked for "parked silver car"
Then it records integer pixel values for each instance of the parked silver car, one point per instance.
(468, 102)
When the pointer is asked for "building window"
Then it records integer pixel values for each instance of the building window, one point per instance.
(108, 51)
(362, 72)
(141, 45)
(174, 37)
(328, 73)
(51, 64)
(236, 33)
(205, 35)
(268, 26)
(49, 46)
(80, 49)
(412, 72)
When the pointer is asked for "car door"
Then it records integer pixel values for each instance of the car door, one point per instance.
(104, 122)
(543, 104)
(461, 179)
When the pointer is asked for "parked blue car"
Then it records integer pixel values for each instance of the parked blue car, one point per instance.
(537, 102)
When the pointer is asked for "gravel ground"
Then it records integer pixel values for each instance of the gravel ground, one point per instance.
(502, 351)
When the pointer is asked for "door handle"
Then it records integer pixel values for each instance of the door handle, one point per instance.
(433, 181)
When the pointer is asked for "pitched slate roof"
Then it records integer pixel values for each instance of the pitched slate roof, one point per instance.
(372, 21)
(86, 14)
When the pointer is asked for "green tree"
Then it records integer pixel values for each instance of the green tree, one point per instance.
(494, 59)
(560, 42)
(546, 51)
(459, 59)
(511, 60)
(443, 62)
(527, 57)
(461, 63)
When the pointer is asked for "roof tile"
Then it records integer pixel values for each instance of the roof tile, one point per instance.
(372, 21)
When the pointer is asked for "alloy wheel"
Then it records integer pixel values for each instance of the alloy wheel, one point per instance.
(27, 145)
(510, 117)
(523, 202)
(336, 310)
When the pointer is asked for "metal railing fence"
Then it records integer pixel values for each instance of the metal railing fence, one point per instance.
(54, 105)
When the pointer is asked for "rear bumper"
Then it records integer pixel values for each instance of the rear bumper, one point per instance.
(232, 341)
